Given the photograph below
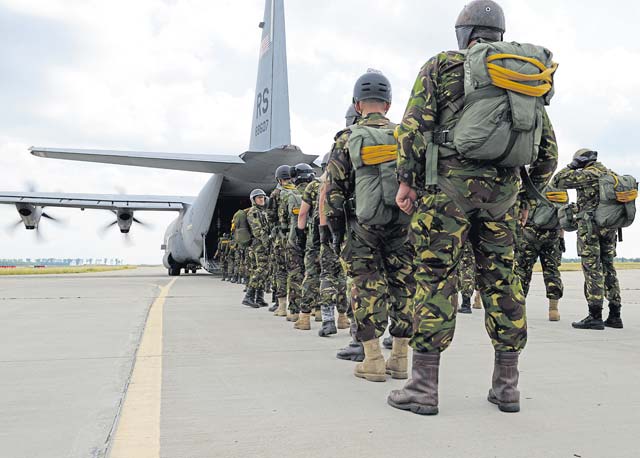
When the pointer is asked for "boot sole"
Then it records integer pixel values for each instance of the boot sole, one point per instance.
(613, 326)
(372, 377)
(357, 359)
(301, 329)
(595, 328)
(398, 375)
(508, 407)
(415, 408)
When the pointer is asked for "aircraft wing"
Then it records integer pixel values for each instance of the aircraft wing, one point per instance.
(98, 201)
(207, 163)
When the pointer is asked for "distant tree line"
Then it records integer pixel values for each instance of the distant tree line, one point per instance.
(54, 262)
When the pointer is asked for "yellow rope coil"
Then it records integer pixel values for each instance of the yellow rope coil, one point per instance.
(510, 80)
(559, 197)
(627, 196)
(374, 155)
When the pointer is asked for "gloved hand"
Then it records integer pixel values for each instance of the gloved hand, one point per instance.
(563, 247)
(337, 226)
(301, 239)
(575, 164)
(325, 234)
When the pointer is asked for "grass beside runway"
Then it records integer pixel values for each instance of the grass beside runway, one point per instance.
(61, 270)
(576, 267)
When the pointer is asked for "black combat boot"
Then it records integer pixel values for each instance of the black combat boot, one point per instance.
(420, 394)
(592, 321)
(614, 320)
(234, 279)
(328, 328)
(504, 384)
(466, 305)
(249, 298)
(387, 342)
(260, 298)
(224, 277)
(354, 351)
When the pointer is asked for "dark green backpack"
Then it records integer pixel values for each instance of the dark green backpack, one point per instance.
(568, 216)
(240, 228)
(617, 206)
(544, 214)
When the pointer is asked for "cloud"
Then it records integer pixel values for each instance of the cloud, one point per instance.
(179, 76)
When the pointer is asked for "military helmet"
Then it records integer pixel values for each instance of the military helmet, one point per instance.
(586, 153)
(480, 19)
(325, 161)
(256, 193)
(283, 172)
(352, 116)
(302, 172)
(372, 85)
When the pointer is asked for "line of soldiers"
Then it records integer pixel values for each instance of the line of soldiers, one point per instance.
(405, 217)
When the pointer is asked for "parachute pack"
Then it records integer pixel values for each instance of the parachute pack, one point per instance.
(546, 213)
(240, 228)
(373, 153)
(617, 206)
(294, 201)
(506, 87)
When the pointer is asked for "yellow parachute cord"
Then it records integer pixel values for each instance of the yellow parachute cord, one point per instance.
(510, 80)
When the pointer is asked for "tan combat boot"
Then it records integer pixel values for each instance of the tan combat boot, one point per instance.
(397, 363)
(372, 368)
(292, 316)
(318, 315)
(343, 321)
(554, 315)
(477, 301)
(304, 322)
(282, 307)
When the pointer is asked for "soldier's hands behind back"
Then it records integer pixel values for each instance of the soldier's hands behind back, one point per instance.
(405, 198)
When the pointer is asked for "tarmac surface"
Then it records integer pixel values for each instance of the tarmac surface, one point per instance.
(114, 365)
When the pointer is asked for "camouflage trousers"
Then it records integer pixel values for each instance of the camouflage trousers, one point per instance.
(439, 229)
(467, 271)
(333, 284)
(279, 260)
(295, 276)
(239, 261)
(259, 255)
(597, 249)
(543, 244)
(380, 264)
(311, 281)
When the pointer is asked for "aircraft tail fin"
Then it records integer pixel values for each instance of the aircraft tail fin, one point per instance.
(271, 126)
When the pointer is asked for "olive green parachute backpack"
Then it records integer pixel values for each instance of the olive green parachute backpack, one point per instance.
(568, 216)
(545, 214)
(294, 201)
(373, 153)
(506, 87)
(617, 206)
(240, 228)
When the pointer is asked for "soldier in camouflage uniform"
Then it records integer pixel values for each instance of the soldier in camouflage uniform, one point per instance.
(258, 250)
(548, 245)
(378, 260)
(278, 241)
(308, 242)
(222, 255)
(466, 277)
(441, 224)
(596, 245)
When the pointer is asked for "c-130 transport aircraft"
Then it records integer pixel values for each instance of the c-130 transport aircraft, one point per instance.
(191, 239)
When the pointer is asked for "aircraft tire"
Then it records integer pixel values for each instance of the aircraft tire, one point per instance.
(174, 271)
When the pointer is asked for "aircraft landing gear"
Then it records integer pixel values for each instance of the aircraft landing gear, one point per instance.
(174, 271)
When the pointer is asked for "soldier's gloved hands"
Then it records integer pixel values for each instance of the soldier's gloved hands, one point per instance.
(575, 164)
(325, 234)
(301, 239)
(337, 227)
(563, 247)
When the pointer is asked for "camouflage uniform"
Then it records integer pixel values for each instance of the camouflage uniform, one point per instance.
(545, 244)
(467, 271)
(378, 259)
(258, 251)
(440, 227)
(294, 257)
(596, 245)
(278, 240)
(311, 282)
(222, 254)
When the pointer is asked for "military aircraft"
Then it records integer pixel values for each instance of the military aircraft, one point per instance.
(191, 239)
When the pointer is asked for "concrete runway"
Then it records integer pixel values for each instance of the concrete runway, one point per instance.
(213, 378)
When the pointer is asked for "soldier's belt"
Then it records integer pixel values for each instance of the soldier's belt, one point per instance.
(379, 154)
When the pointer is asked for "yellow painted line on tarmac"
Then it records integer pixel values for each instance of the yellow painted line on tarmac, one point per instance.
(138, 431)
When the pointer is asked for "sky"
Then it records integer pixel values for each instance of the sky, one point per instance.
(179, 76)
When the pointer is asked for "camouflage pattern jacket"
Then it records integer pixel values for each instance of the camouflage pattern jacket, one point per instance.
(585, 181)
(259, 225)
(439, 85)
